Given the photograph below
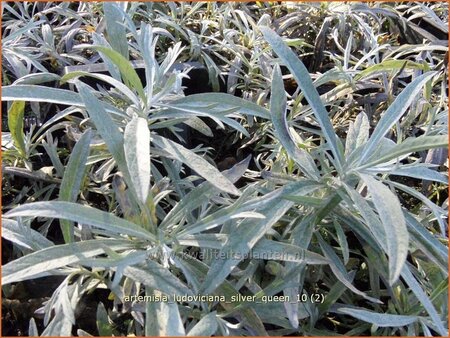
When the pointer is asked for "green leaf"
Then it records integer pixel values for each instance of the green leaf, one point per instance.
(73, 176)
(301, 75)
(127, 71)
(15, 125)
(394, 113)
(389, 65)
(103, 324)
(197, 163)
(379, 319)
(137, 155)
(391, 215)
(278, 113)
(58, 256)
(81, 214)
(207, 326)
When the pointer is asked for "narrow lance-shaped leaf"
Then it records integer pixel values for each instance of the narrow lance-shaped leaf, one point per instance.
(394, 113)
(157, 277)
(278, 113)
(34, 93)
(117, 34)
(410, 145)
(391, 215)
(197, 163)
(54, 257)
(304, 81)
(379, 319)
(15, 125)
(137, 155)
(358, 133)
(73, 176)
(127, 71)
(81, 214)
(107, 129)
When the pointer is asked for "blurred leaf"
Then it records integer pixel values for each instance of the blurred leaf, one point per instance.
(389, 65)
(237, 247)
(117, 34)
(339, 269)
(379, 319)
(358, 133)
(103, 325)
(34, 93)
(157, 277)
(207, 326)
(423, 298)
(223, 102)
(166, 320)
(23, 236)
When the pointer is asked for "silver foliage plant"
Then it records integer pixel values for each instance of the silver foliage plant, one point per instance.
(325, 212)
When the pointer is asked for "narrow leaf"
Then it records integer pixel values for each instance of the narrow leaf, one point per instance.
(391, 215)
(278, 114)
(395, 112)
(127, 71)
(137, 155)
(15, 125)
(54, 257)
(301, 75)
(379, 319)
(81, 214)
(73, 176)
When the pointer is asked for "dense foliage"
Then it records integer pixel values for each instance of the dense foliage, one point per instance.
(255, 168)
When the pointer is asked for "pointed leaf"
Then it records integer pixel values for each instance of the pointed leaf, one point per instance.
(391, 215)
(81, 214)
